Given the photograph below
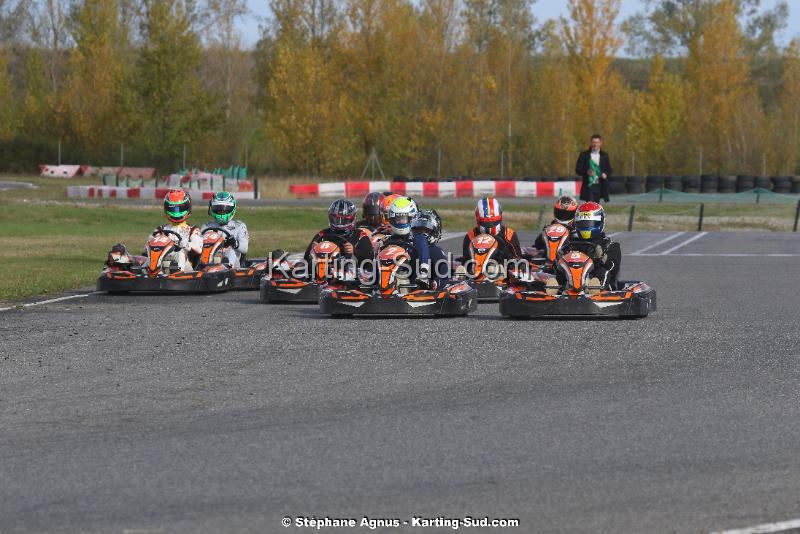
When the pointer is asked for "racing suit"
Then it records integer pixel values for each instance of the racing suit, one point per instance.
(420, 266)
(507, 239)
(359, 238)
(236, 250)
(190, 245)
(538, 244)
(367, 226)
(605, 253)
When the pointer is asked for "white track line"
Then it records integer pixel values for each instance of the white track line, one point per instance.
(765, 528)
(614, 234)
(684, 243)
(657, 243)
(451, 235)
(49, 301)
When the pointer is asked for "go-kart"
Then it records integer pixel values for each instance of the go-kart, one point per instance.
(158, 270)
(246, 276)
(539, 294)
(389, 290)
(484, 269)
(282, 283)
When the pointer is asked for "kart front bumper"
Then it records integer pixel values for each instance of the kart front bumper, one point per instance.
(448, 302)
(214, 281)
(636, 300)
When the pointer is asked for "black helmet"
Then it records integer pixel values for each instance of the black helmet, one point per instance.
(372, 208)
(342, 216)
(429, 223)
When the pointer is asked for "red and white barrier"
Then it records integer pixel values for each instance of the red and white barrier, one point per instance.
(468, 189)
(104, 191)
(60, 171)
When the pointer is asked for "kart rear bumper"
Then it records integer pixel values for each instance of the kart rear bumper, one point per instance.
(288, 290)
(419, 303)
(248, 277)
(488, 291)
(632, 301)
(193, 282)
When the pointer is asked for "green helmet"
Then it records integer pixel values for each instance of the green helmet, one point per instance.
(222, 207)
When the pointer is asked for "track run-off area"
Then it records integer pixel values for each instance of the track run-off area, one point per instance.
(222, 414)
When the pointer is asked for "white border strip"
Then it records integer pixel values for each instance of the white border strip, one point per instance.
(726, 255)
(684, 243)
(764, 529)
(49, 301)
(657, 243)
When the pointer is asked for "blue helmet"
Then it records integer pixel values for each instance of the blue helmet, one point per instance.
(590, 220)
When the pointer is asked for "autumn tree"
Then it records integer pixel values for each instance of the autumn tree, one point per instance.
(717, 88)
(8, 115)
(95, 99)
(657, 121)
(785, 118)
(174, 109)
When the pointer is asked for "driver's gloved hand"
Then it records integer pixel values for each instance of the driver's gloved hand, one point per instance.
(231, 242)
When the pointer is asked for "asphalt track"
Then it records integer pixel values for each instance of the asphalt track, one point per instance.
(220, 414)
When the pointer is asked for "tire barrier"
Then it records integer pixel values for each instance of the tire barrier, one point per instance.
(795, 184)
(691, 184)
(727, 184)
(782, 184)
(763, 182)
(709, 183)
(745, 183)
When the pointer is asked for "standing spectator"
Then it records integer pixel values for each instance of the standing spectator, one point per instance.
(594, 167)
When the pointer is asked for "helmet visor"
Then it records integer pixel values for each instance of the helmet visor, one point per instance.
(176, 210)
(587, 225)
(564, 215)
(341, 221)
(222, 209)
(400, 220)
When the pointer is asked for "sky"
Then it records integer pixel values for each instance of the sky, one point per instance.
(542, 9)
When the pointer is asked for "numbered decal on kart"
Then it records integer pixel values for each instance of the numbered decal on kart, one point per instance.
(574, 256)
(556, 231)
(483, 241)
(326, 245)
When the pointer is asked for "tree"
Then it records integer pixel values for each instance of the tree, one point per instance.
(718, 88)
(95, 100)
(785, 118)
(669, 27)
(657, 121)
(174, 109)
(8, 116)
(592, 39)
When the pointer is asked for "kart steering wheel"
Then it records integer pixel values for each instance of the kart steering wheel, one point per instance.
(164, 231)
(223, 230)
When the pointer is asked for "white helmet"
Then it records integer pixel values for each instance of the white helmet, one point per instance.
(401, 213)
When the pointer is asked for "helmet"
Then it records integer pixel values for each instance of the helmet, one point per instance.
(429, 223)
(177, 205)
(489, 215)
(386, 204)
(372, 208)
(342, 216)
(590, 220)
(564, 209)
(222, 207)
(401, 213)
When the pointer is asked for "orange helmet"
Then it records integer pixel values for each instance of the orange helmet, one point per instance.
(564, 209)
(177, 205)
(386, 203)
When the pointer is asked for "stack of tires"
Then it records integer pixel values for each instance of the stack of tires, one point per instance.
(727, 184)
(763, 182)
(709, 183)
(782, 184)
(795, 184)
(617, 185)
(674, 183)
(653, 183)
(691, 184)
(636, 185)
(745, 183)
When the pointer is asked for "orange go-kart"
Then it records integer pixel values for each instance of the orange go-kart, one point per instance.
(158, 271)
(389, 290)
(247, 275)
(485, 268)
(283, 283)
(541, 294)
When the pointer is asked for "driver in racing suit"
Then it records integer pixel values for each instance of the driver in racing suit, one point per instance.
(563, 213)
(222, 207)
(371, 212)
(342, 228)
(401, 215)
(591, 239)
(427, 229)
(177, 207)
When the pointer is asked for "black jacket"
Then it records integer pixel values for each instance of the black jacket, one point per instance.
(605, 253)
(582, 169)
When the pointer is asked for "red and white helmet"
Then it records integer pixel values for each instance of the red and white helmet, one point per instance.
(590, 220)
(489, 215)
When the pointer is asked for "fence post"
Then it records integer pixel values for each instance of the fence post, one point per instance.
(758, 196)
(700, 219)
(630, 217)
(661, 191)
(255, 188)
(796, 216)
(541, 216)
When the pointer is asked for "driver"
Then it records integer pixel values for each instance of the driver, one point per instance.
(342, 231)
(489, 216)
(427, 230)
(371, 212)
(590, 238)
(401, 215)
(222, 207)
(177, 207)
(563, 213)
